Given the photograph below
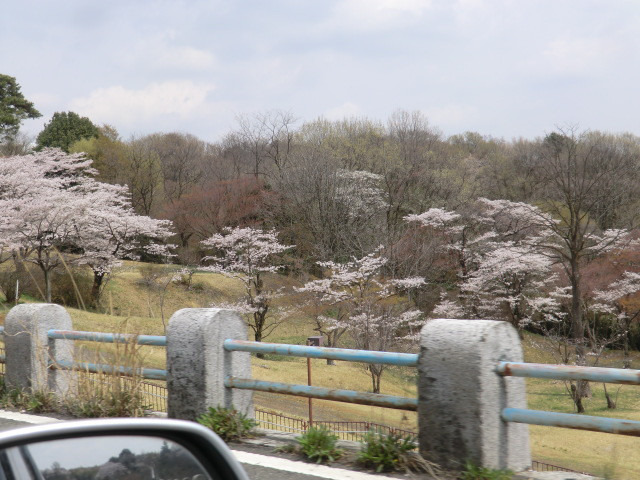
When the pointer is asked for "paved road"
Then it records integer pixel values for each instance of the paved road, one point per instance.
(11, 424)
(257, 465)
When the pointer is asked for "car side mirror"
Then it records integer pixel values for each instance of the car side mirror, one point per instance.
(132, 449)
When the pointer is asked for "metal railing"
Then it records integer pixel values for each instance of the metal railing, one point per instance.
(538, 466)
(353, 430)
(348, 396)
(567, 373)
(157, 394)
(148, 373)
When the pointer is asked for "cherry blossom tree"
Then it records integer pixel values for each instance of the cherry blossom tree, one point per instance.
(249, 255)
(53, 208)
(113, 231)
(356, 298)
(500, 270)
(615, 300)
(38, 207)
(507, 255)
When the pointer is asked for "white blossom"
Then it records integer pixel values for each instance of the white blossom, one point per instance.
(247, 254)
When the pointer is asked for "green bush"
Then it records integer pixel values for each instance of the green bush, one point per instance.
(72, 287)
(8, 278)
(228, 423)
(35, 402)
(473, 472)
(319, 444)
(107, 393)
(385, 452)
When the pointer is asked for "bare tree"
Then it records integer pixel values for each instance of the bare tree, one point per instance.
(268, 138)
(144, 175)
(584, 184)
(181, 159)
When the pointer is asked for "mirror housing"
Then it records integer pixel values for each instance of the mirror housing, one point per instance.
(212, 454)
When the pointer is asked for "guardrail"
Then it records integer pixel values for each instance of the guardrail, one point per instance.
(568, 420)
(348, 396)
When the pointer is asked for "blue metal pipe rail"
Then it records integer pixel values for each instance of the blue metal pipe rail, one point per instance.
(363, 356)
(568, 373)
(347, 396)
(622, 376)
(571, 420)
(154, 340)
(149, 373)
(76, 335)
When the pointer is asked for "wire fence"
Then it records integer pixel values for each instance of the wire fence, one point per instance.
(154, 394)
(344, 430)
(547, 467)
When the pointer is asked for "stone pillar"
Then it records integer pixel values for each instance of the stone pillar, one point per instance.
(197, 363)
(460, 397)
(29, 351)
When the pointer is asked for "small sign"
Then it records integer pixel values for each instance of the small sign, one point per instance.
(315, 341)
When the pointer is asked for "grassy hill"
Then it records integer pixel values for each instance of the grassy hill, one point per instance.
(133, 303)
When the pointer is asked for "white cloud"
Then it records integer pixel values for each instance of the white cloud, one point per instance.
(161, 52)
(44, 99)
(377, 14)
(184, 57)
(452, 115)
(119, 105)
(343, 111)
(577, 55)
(583, 57)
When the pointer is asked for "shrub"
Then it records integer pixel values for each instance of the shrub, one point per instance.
(389, 452)
(149, 275)
(319, 444)
(71, 287)
(385, 452)
(473, 472)
(228, 423)
(8, 278)
(36, 401)
(108, 393)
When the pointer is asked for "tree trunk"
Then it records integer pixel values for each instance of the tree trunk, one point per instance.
(376, 374)
(626, 363)
(375, 381)
(332, 342)
(98, 277)
(257, 336)
(582, 388)
(611, 404)
(577, 399)
(47, 285)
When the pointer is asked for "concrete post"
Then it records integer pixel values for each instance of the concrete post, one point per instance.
(197, 363)
(460, 397)
(29, 352)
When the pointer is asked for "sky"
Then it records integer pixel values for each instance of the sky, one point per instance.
(507, 69)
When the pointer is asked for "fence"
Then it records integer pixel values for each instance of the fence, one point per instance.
(548, 467)
(349, 396)
(568, 373)
(344, 430)
(471, 399)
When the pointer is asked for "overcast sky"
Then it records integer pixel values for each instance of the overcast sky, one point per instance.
(501, 68)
